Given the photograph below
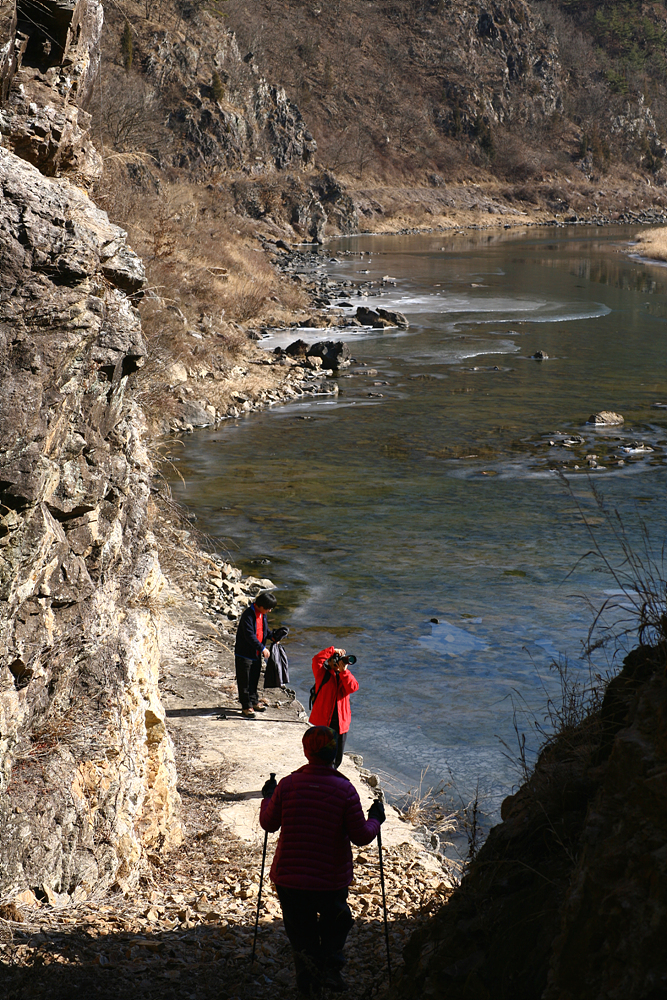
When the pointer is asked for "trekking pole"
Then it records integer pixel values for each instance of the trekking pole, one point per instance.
(384, 905)
(261, 879)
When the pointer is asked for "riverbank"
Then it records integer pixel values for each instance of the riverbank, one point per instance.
(651, 245)
(194, 381)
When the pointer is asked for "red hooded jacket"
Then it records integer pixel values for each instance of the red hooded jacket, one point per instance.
(333, 692)
(318, 812)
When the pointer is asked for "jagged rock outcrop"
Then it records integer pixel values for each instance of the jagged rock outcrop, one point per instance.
(314, 205)
(502, 67)
(567, 899)
(86, 767)
(48, 66)
(247, 124)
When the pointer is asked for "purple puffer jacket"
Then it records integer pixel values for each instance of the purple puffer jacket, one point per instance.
(319, 813)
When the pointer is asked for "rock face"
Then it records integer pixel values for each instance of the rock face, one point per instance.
(309, 203)
(567, 899)
(86, 768)
(252, 123)
(53, 66)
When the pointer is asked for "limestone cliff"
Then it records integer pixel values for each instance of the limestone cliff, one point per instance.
(87, 774)
(567, 899)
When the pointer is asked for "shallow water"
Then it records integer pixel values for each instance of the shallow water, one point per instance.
(436, 497)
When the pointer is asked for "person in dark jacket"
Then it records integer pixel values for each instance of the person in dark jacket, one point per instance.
(318, 812)
(334, 683)
(250, 649)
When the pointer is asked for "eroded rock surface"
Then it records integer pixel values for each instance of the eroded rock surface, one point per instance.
(47, 74)
(250, 121)
(568, 897)
(87, 773)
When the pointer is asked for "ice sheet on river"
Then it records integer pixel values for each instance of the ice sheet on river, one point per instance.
(449, 640)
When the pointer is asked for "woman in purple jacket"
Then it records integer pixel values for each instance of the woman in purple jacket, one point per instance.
(318, 812)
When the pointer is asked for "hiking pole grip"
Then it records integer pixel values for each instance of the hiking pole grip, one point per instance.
(261, 880)
(384, 905)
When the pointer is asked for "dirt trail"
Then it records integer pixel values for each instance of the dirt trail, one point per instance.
(200, 699)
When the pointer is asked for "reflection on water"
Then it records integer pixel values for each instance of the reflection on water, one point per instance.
(426, 489)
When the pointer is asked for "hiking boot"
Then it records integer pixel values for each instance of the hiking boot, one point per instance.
(332, 980)
(248, 713)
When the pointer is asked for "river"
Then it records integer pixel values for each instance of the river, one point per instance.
(426, 489)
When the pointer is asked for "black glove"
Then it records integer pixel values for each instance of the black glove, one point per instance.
(268, 788)
(376, 811)
(279, 633)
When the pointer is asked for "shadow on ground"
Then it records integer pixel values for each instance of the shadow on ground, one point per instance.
(203, 963)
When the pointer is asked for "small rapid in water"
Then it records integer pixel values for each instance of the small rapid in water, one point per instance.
(428, 489)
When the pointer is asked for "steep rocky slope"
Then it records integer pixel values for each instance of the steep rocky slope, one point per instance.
(568, 897)
(86, 764)
(178, 86)
(87, 770)
(379, 116)
(88, 778)
(401, 88)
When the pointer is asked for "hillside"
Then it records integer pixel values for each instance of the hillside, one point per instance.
(399, 90)
(298, 121)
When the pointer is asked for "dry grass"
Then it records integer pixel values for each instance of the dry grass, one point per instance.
(652, 245)
(206, 274)
(201, 258)
(423, 806)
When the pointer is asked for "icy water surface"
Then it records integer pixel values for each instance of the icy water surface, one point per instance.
(433, 495)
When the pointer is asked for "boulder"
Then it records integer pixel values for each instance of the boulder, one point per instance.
(366, 316)
(382, 318)
(334, 353)
(297, 349)
(394, 317)
(605, 418)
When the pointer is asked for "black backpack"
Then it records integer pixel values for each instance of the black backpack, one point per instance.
(314, 693)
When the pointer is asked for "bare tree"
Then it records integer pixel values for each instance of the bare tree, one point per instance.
(131, 117)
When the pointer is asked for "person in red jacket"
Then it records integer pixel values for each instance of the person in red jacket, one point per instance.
(334, 683)
(318, 812)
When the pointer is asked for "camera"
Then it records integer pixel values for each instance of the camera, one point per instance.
(336, 658)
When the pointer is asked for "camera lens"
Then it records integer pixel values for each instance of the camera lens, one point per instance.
(351, 659)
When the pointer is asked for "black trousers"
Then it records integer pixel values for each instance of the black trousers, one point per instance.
(341, 737)
(247, 679)
(317, 924)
